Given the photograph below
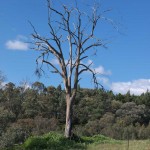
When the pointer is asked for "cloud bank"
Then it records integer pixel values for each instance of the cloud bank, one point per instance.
(135, 87)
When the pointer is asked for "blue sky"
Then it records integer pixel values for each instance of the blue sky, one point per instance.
(125, 63)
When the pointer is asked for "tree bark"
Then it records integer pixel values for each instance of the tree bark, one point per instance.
(69, 111)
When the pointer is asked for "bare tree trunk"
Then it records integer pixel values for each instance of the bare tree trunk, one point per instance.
(69, 111)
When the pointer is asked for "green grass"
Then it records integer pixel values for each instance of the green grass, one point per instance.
(133, 145)
(56, 141)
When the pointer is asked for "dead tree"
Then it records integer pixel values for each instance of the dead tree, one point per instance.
(77, 29)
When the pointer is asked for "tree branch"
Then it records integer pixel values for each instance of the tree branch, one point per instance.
(56, 70)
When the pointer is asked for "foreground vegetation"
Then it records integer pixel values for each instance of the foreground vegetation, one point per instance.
(37, 110)
(56, 141)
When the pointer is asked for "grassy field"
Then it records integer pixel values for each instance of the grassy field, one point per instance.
(133, 145)
(56, 141)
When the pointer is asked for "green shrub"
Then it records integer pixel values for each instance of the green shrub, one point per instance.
(56, 141)
(35, 143)
(97, 139)
(51, 141)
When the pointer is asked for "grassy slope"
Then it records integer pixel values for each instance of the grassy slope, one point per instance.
(56, 141)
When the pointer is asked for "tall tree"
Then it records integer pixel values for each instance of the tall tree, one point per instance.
(68, 25)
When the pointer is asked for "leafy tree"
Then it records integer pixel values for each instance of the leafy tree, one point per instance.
(38, 86)
(145, 98)
(77, 28)
(130, 113)
(115, 105)
(128, 97)
(12, 99)
(30, 105)
(6, 117)
(120, 97)
(107, 120)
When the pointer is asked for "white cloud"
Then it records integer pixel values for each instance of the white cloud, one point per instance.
(2, 84)
(99, 70)
(102, 71)
(136, 87)
(55, 61)
(17, 45)
(104, 80)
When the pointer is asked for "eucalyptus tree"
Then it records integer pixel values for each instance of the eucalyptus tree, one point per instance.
(68, 26)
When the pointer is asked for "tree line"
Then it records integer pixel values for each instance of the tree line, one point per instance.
(35, 110)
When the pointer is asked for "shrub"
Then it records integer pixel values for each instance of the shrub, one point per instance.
(35, 143)
(96, 139)
(51, 141)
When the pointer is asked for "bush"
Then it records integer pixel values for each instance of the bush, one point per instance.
(97, 139)
(35, 142)
(56, 141)
(51, 141)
